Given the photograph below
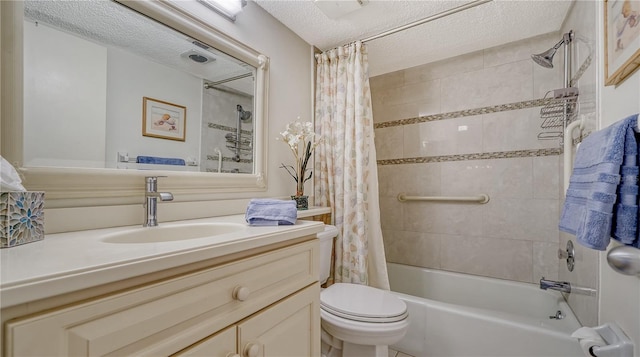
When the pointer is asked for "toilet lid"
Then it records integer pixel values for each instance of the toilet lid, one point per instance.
(362, 303)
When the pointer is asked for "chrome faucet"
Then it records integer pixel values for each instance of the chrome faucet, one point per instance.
(562, 286)
(151, 196)
(566, 287)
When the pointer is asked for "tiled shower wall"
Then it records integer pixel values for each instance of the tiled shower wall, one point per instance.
(446, 147)
(219, 118)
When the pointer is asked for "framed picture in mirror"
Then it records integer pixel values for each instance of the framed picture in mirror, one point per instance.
(163, 120)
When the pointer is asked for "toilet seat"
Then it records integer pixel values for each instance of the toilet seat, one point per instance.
(362, 303)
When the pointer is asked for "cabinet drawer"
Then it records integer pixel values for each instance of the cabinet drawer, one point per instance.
(165, 317)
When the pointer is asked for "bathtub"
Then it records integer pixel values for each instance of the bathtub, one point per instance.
(453, 314)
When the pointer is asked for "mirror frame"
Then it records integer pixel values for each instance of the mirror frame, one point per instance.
(81, 187)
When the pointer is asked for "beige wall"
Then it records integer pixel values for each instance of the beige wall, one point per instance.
(515, 235)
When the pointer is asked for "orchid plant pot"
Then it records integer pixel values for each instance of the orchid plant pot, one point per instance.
(301, 140)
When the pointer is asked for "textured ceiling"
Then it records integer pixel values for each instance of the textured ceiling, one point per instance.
(487, 25)
(113, 25)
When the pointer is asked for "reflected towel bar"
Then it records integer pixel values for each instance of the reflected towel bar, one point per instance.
(483, 198)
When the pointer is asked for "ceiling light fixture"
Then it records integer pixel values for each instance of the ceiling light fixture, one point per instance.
(225, 8)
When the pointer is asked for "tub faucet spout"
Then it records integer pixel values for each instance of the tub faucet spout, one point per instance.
(561, 286)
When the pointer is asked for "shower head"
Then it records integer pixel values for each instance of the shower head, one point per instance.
(545, 59)
(243, 114)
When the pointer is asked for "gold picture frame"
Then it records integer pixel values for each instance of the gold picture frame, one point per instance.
(163, 120)
(621, 40)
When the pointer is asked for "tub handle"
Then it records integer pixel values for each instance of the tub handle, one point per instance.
(568, 254)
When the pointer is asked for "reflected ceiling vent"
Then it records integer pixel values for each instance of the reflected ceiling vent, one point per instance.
(338, 8)
(198, 57)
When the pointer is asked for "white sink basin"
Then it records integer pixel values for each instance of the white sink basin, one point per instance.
(170, 233)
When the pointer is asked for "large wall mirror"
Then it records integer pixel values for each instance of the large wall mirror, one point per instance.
(98, 94)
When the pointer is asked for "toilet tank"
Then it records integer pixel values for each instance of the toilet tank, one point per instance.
(326, 247)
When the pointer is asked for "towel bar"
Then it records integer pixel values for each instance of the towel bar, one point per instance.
(483, 198)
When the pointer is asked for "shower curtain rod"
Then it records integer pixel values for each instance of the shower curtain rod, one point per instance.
(427, 19)
(210, 84)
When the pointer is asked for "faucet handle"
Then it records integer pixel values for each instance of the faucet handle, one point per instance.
(152, 178)
(151, 183)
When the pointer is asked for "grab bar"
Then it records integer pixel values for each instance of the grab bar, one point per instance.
(483, 198)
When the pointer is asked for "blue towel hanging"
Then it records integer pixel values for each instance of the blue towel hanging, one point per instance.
(602, 198)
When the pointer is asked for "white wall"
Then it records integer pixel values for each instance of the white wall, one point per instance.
(130, 79)
(619, 294)
(63, 74)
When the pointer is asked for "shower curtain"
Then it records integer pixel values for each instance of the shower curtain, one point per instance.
(346, 176)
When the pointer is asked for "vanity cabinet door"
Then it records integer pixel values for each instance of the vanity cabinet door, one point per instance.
(290, 328)
(222, 344)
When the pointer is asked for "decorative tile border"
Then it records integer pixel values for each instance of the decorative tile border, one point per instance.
(473, 156)
(485, 110)
(232, 171)
(581, 70)
(229, 159)
(468, 112)
(227, 128)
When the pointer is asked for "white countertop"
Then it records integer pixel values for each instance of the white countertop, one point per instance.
(66, 262)
(313, 211)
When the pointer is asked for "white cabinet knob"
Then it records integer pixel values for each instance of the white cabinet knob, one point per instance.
(241, 293)
(252, 349)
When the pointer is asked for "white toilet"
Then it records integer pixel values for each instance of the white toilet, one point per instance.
(357, 320)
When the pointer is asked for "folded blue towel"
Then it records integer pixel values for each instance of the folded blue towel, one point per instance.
(602, 199)
(159, 160)
(270, 212)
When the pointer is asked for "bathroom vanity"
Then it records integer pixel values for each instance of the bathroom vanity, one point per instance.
(249, 291)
